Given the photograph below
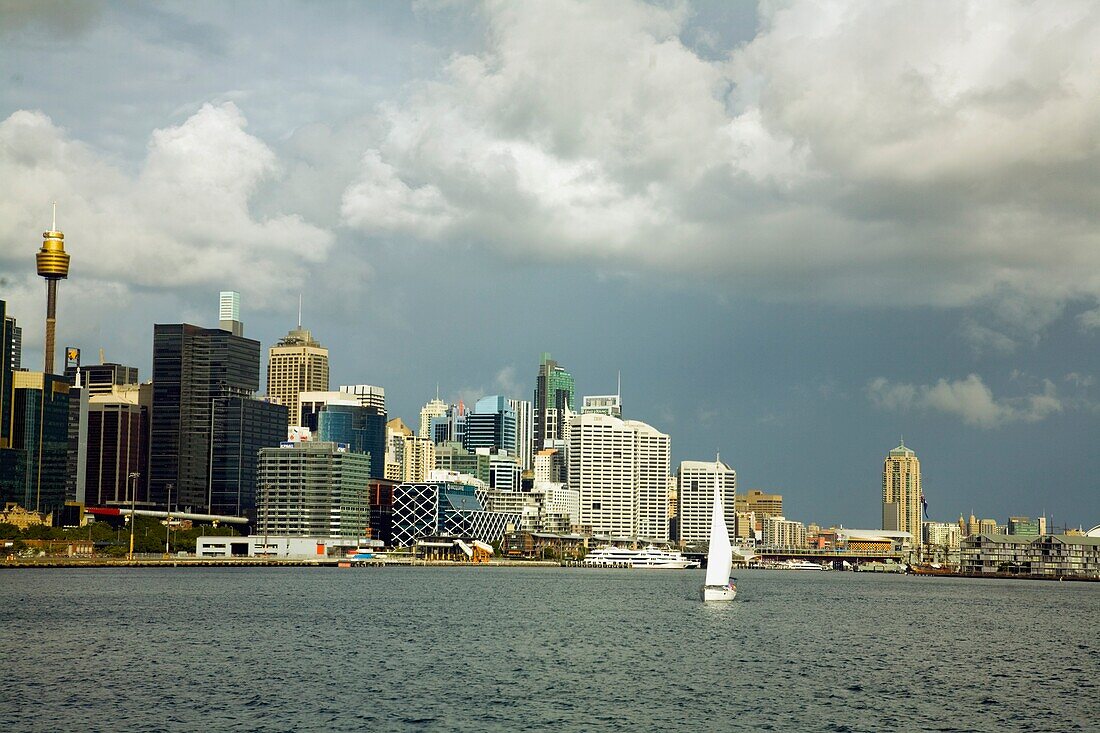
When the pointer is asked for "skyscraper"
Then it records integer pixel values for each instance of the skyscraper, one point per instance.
(341, 417)
(433, 409)
(553, 402)
(40, 428)
(696, 481)
(13, 334)
(313, 489)
(241, 427)
(367, 395)
(7, 366)
(296, 364)
(117, 442)
(621, 470)
(192, 367)
(524, 411)
(491, 424)
(901, 493)
(229, 312)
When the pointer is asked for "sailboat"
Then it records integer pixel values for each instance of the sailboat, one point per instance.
(719, 585)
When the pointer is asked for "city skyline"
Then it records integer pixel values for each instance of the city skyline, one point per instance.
(802, 364)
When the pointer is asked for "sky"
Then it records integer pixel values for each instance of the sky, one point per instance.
(801, 231)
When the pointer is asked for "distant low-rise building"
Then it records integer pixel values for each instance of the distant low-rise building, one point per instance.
(1058, 555)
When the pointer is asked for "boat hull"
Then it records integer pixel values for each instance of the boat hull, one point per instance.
(718, 593)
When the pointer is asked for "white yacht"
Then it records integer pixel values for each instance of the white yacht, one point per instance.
(650, 557)
(802, 565)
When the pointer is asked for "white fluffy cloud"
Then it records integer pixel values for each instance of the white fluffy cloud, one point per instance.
(968, 399)
(887, 151)
(181, 220)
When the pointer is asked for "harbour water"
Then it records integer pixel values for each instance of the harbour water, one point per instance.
(516, 649)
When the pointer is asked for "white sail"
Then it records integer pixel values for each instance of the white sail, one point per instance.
(720, 556)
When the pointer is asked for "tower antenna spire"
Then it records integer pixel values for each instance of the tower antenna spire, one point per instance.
(619, 385)
(53, 226)
(299, 311)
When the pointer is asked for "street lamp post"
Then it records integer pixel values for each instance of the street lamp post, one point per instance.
(133, 508)
(168, 522)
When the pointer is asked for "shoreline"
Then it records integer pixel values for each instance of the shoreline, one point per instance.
(343, 563)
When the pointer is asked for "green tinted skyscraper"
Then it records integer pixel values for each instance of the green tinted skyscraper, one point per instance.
(553, 401)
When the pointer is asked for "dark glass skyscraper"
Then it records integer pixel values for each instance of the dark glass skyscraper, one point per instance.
(242, 426)
(7, 343)
(192, 367)
(40, 409)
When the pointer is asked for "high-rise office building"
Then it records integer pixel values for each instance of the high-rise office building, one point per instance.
(229, 312)
(192, 367)
(118, 423)
(241, 427)
(13, 333)
(367, 395)
(39, 429)
(77, 459)
(602, 405)
(451, 456)
(696, 481)
(621, 470)
(313, 489)
(296, 364)
(102, 378)
(491, 424)
(549, 466)
(13, 461)
(901, 493)
(761, 505)
(339, 417)
(431, 410)
(7, 367)
(525, 416)
(553, 402)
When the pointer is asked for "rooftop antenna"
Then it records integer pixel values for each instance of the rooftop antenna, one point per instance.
(619, 385)
(437, 391)
(53, 226)
(299, 311)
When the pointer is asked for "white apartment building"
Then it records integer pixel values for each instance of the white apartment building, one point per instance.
(620, 469)
(695, 493)
(781, 532)
(525, 423)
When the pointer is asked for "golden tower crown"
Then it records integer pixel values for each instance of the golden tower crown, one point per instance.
(52, 259)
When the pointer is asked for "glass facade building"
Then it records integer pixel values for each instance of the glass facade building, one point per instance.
(362, 429)
(492, 425)
(40, 428)
(192, 367)
(242, 426)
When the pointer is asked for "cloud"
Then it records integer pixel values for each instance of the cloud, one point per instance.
(969, 399)
(877, 152)
(183, 220)
(1089, 320)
